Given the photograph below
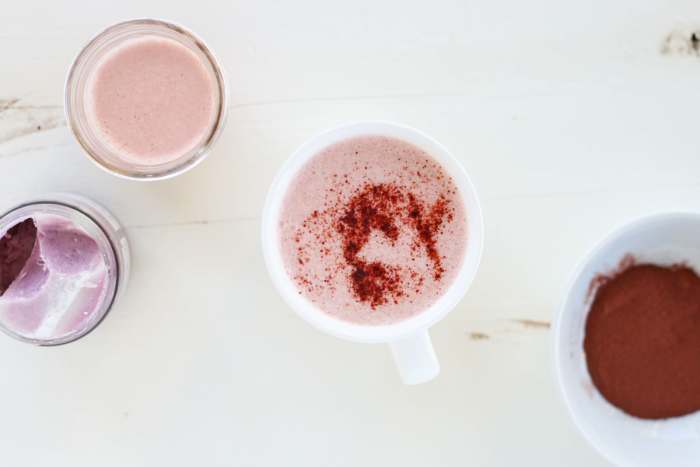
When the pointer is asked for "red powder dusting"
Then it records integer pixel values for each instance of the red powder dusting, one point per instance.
(373, 230)
(375, 207)
(428, 225)
(381, 207)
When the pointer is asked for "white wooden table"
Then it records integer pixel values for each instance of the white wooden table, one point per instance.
(568, 115)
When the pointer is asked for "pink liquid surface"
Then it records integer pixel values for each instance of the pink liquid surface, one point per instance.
(152, 100)
(313, 248)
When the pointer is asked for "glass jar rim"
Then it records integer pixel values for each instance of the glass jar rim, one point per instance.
(81, 67)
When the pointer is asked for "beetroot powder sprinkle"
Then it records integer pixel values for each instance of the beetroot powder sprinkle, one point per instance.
(373, 230)
(381, 207)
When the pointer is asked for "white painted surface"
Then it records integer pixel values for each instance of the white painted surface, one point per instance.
(567, 115)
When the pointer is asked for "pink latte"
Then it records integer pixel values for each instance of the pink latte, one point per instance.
(152, 100)
(373, 230)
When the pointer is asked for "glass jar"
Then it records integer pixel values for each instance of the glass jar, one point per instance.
(84, 127)
(81, 215)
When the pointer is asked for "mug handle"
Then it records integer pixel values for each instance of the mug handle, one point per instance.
(415, 358)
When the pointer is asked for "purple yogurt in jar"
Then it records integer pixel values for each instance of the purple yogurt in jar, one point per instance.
(63, 262)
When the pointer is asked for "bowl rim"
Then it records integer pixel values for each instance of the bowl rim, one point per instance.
(574, 277)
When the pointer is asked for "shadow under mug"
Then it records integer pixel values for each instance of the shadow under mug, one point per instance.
(409, 341)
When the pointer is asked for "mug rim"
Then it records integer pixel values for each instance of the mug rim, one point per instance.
(359, 332)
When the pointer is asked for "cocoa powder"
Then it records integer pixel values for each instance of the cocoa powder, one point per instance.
(642, 340)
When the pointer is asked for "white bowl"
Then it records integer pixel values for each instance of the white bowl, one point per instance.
(662, 239)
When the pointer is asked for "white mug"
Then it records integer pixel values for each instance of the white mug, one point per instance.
(408, 339)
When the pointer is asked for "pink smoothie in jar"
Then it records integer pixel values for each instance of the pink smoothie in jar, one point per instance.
(146, 99)
(152, 100)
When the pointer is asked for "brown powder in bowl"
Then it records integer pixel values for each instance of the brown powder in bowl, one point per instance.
(642, 340)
